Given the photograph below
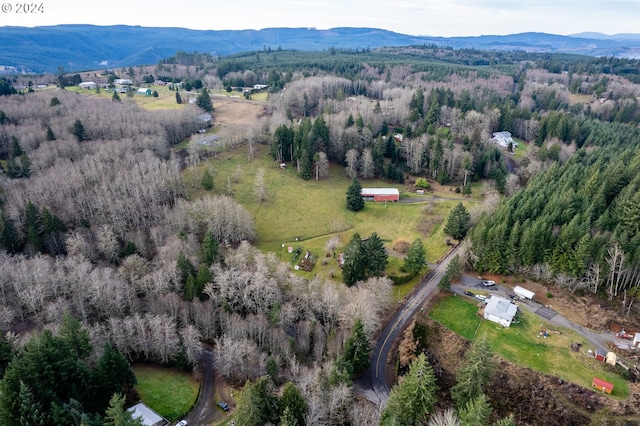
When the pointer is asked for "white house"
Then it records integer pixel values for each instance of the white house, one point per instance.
(89, 85)
(523, 293)
(123, 81)
(147, 415)
(504, 139)
(500, 310)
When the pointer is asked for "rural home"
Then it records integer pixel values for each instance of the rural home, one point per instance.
(500, 310)
(636, 340)
(144, 91)
(504, 139)
(89, 85)
(147, 415)
(523, 293)
(122, 81)
(380, 194)
(602, 385)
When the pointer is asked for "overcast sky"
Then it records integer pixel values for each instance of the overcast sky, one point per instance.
(417, 17)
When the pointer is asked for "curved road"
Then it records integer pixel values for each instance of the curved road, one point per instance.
(205, 410)
(396, 325)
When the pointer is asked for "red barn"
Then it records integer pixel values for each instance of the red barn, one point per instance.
(601, 355)
(602, 385)
(380, 194)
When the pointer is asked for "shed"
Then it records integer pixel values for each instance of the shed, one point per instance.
(601, 355)
(636, 340)
(89, 85)
(380, 194)
(602, 385)
(147, 415)
(144, 91)
(612, 359)
(500, 310)
(523, 293)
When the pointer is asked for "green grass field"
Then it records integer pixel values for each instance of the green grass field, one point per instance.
(314, 211)
(522, 344)
(171, 393)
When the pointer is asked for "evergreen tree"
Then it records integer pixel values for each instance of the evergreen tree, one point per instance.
(178, 98)
(78, 131)
(293, 403)
(458, 222)
(50, 136)
(30, 409)
(116, 415)
(204, 101)
(207, 180)
(415, 259)
(375, 255)
(54, 101)
(355, 202)
(184, 268)
(155, 94)
(33, 227)
(356, 349)
(454, 268)
(412, 399)
(209, 248)
(256, 405)
(190, 290)
(115, 97)
(474, 374)
(445, 282)
(202, 279)
(353, 266)
(9, 237)
(114, 373)
(476, 412)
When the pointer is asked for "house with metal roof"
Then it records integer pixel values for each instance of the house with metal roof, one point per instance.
(500, 310)
(380, 194)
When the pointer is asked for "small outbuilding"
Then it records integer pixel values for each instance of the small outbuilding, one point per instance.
(636, 340)
(500, 310)
(602, 385)
(89, 85)
(523, 293)
(147, 415)
(380, 194)
(144, 91)
(612, 359)
(601, 355)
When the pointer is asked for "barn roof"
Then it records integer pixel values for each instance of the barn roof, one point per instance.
(380, 191)
(602, 383)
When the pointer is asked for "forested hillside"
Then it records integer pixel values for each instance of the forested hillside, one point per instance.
(99, 223)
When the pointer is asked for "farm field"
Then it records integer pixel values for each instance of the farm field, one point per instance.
(305, 214)
(169, 392)
(522, 344)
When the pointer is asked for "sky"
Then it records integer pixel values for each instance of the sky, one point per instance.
(445, 18)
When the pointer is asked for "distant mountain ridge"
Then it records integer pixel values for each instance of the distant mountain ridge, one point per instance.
(85, 47)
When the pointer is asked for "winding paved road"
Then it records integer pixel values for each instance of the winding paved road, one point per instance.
(378, 380)
(205, 411)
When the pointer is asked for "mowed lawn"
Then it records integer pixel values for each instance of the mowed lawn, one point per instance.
(522, 343)
(169, 392)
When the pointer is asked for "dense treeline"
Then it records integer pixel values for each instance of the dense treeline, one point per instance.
(575, 223)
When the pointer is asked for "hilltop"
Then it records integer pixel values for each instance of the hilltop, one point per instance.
(83, 47)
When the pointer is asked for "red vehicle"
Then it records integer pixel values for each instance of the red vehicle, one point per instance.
(623, 335)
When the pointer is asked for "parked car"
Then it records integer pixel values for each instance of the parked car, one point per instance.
(182, 423)
(488, 283)
(223, 405)
(481, 297)
(468, 293)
